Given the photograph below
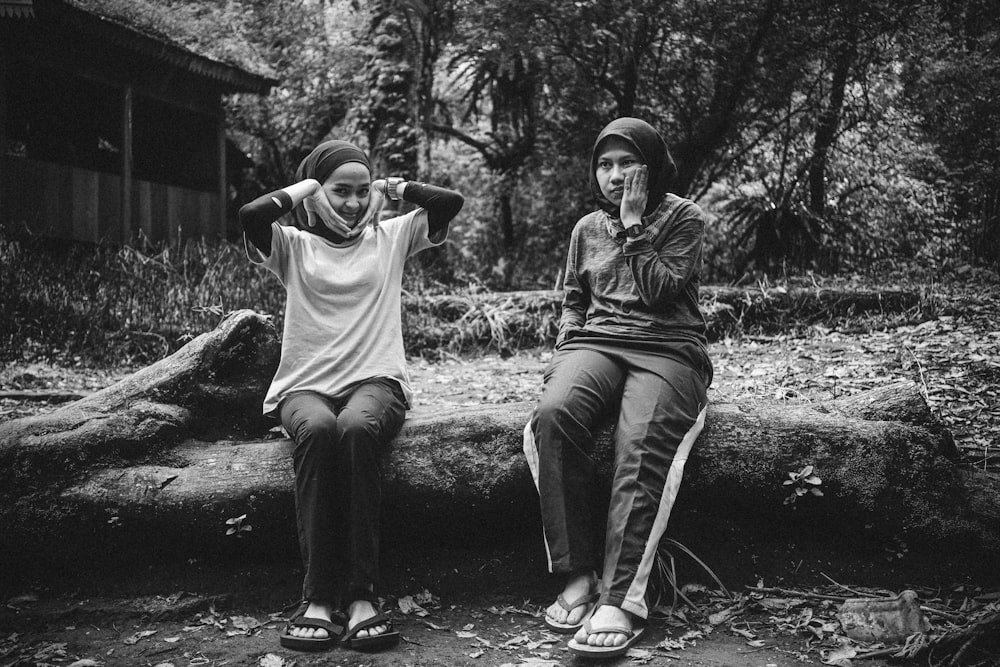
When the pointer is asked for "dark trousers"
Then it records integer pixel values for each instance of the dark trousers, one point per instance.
(660, 412)
(338, 489)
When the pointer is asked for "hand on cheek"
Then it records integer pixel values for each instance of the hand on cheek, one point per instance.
(635, 195)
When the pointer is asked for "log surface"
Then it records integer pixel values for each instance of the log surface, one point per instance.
(166, 456)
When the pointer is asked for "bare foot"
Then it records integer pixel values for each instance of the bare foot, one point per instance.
(606, 616)
(577, 586)
(320, 610)
(359, 612)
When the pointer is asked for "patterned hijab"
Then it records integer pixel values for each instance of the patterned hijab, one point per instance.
(319, 164)
(651, 148)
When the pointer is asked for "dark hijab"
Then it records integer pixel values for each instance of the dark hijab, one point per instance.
(651, 148)
(321, 162)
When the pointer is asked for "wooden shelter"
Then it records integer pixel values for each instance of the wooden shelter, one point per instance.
(109, 131)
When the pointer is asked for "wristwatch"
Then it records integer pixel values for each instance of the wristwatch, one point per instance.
(635, 231)
(391, 184)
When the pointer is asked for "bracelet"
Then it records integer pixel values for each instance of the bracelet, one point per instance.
(391, 184)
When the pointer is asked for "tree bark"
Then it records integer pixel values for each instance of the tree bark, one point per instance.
(162, 459)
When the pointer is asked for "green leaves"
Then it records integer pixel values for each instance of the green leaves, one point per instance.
(803, 482)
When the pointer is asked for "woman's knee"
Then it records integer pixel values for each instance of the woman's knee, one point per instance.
(358, 425)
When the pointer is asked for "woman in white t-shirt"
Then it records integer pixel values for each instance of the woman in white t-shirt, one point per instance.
(341, 389)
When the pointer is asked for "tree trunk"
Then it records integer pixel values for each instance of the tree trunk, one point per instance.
(161, 460)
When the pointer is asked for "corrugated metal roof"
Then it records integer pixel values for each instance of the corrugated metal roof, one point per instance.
(15, 9)
(89, 16)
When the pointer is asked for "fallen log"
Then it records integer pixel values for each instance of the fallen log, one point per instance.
(163, 459)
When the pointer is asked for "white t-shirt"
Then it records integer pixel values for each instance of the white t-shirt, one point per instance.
(342, 310)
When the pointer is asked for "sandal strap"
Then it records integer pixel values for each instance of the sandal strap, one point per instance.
(586, 598)
(607, 629)
(335, 629)
(381, 618)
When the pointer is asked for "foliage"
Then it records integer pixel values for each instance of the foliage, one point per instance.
(317, 51)
(802, 482)
(817, 135)
(121, 305)
(952, 80)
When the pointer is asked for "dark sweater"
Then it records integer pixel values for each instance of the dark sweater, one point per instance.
(637, 293)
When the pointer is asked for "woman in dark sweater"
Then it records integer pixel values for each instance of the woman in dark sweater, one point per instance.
(341, 389)
(631, 340)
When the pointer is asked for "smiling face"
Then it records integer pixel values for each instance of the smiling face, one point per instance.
(615, 158)
(348, 187)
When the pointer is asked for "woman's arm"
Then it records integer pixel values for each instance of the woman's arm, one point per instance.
(257, 216)
(441, 204)
(576, 295)
(660, 277)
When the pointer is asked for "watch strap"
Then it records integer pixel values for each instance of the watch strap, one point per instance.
(391, 184)
(635, 231)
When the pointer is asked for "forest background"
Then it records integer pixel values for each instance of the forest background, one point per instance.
(823, 138)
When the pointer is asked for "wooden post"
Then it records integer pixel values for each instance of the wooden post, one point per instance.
(3, 126)
(223, 185)
(129, 232)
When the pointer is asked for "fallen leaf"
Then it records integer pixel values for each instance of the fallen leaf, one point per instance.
(142, 634)
(245, 623)
(271, 660)
(408, 606)
(435, 626)
(742, 633)
(840, 656)
(462, 634)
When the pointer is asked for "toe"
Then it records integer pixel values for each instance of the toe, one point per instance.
(576, 615)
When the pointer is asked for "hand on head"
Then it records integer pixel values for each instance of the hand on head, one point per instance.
(320, 211)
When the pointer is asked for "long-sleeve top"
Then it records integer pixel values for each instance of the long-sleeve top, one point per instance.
(640, 293)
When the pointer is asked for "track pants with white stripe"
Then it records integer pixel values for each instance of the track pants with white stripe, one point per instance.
(662, 411)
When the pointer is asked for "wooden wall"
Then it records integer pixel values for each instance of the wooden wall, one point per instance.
(69, 202)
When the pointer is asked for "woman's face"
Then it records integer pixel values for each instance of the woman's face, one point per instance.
(348, 188)
(615, 158)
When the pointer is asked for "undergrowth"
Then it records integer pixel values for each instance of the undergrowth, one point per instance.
(108, 306)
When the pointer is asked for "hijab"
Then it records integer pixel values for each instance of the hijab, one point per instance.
(319, 164)
(651, 148)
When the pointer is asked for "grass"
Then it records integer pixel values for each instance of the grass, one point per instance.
(106, 305)
(101, 306)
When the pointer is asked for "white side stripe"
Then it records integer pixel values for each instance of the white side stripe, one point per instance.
(531, 454)
(635, 599)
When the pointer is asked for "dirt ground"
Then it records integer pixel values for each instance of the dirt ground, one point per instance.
(482, 605)
(473, 607)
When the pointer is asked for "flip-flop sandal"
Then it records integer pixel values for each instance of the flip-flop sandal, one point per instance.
(600, 652)
(335, 629)
(388, 638)
(564, 628)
